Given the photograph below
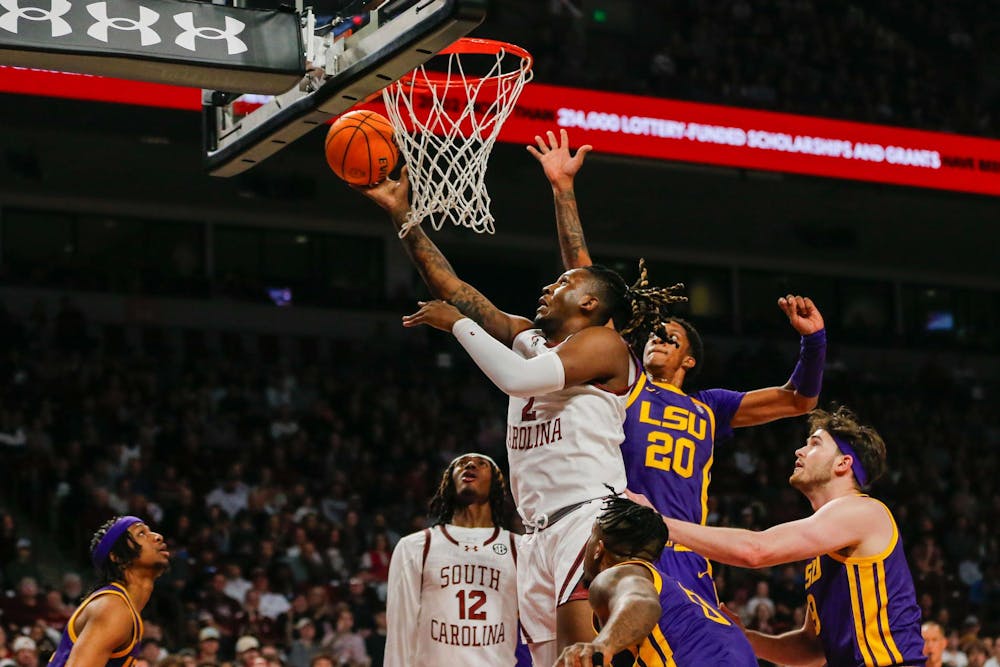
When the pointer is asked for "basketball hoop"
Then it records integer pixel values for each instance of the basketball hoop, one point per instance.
(446, 123)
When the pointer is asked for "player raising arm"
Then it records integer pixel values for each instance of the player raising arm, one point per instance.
(568, 377)
(861, 609)
(670, 436)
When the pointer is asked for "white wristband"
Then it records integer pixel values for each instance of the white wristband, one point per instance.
(512, 373)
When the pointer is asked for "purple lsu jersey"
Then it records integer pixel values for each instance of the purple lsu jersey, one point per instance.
(864, 609)
(122, 658)
(668, 451)
(690, 631)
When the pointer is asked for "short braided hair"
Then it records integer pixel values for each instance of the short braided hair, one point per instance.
(631, 530)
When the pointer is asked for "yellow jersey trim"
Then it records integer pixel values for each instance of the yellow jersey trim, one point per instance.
(118, 591)
(636, 390)
(867, 560)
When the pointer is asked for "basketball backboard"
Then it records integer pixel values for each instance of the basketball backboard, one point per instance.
(349, 59)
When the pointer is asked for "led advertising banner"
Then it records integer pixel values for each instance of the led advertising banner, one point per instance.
(662, 129)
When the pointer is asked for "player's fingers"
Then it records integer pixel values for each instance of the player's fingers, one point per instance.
(809, 303)
(404, 176)
(534, 151)
(542, 146)
(552, 139)
(563, 138)
(583, 150)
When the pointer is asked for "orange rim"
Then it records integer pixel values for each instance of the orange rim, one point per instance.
(421, 78)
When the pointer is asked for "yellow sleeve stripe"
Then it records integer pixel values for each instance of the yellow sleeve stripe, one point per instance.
(636, 390)
(871, 623)
(657, 579)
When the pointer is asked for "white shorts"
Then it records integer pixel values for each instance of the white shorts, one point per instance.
(550, 568)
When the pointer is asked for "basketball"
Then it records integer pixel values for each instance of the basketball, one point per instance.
(360, 149)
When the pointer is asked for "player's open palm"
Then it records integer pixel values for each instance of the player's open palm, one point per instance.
(438, 314)
(559, 165)
(802, 313)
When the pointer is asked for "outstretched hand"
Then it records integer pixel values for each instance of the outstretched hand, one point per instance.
(802, 313)
(438, 314)
(560, 167)
(393, 196)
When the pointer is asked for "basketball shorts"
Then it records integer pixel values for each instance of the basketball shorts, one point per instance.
(550, 570)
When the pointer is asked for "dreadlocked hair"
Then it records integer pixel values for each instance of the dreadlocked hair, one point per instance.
(122, 553)
(442, 506)
(631, 530)
(638, 307)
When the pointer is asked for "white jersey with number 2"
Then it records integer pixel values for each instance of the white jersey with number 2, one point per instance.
(563, 447)
(452, 599)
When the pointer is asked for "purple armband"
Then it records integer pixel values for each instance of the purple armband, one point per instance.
(807, 378)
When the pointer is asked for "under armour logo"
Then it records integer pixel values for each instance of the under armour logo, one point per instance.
(60, 26)
(187, 38)
(471, 547)
(147, 17)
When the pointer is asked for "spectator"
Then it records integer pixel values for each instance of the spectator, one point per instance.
(24, 565)
(978, 654)
(236, 586)
(761, 598)
(5, 650)
(25, 652)
(247, 651)
(232, 496)
(272, 605)
(953, 656)
(208, 646)
(306, 646)
(227, 613)
(346, 645)
(375, 641)
(26, 606)
(72, 589)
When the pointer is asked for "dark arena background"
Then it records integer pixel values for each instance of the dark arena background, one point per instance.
(224, 356)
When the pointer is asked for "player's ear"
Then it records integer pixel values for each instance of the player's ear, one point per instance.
(689, 362)
(589, 303)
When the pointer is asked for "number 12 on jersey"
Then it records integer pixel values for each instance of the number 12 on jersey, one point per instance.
(470, 612)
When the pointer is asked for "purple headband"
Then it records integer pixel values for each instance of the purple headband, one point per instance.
(117, 529)
(859, 470)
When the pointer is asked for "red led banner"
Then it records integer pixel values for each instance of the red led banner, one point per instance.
(662, 129)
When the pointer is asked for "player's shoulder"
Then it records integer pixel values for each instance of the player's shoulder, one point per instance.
(108, 607)
(415, 540)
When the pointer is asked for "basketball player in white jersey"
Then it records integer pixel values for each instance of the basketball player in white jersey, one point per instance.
(452, 596)
(568, 377)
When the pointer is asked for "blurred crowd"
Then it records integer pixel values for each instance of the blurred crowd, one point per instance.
(920, 64)
(282, 487)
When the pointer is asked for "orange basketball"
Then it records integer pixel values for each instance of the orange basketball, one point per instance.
(360, 149)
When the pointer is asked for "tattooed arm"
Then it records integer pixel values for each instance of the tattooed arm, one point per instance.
(436, 270)
(625, 600)
(561, 169)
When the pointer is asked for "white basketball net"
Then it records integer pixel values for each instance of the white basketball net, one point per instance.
(452, 121)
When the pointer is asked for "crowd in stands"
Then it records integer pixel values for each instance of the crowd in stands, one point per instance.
(920, 64)
(282, 487)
